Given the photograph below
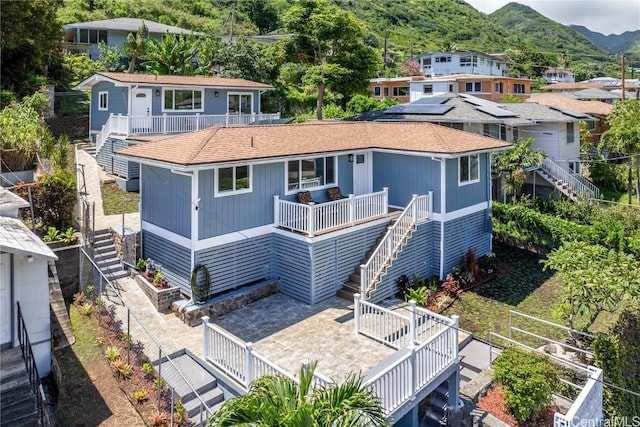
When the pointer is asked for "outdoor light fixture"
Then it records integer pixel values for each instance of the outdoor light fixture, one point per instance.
(157, 92)
(350, 158)
(216, 94)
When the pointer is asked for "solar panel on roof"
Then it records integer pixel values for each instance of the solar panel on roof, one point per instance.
(478, 102)
(495, 111)
(431, 100)
(574, 114)
(419, 109)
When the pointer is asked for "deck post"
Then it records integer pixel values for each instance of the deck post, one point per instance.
(414, 370)
(356, 311)
(391, 243)
(363, 280)
(385, 190)
(412, 322)
(276, 210)
(430, 205)
(164, 123)
(249, 374)
(454, 325)
(205, 337)
(312, 218)
(351, 211)
(197, 121)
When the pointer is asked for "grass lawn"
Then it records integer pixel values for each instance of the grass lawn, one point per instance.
(523, 286)
(112, 199)
(617, 196)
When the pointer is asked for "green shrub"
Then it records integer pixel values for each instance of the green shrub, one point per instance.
(54, 199)
(528, 381)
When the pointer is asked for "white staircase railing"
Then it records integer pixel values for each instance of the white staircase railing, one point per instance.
(419, 209)
(575, 182)
(144, 125)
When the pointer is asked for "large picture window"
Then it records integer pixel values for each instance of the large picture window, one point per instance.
(469, 169)
(182, 100)
(240, 103)
(310, 173)
(233, 180)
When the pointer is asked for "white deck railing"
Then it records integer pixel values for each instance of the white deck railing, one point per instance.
(419, 209)
(316, 218)
(587, 408)
(141, 125)
(582, 187)
(396, 384)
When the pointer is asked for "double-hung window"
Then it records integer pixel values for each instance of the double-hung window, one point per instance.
(103, 101)
(473, 87)
(310, 173)
(240, 103)
(571, 137)
(469, 169)
(233, 180)
(518, 88)
(182, 100)
(376, 91)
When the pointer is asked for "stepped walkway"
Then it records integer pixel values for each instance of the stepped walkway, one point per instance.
(19, 407)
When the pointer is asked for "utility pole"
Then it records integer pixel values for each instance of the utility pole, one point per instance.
(384, 55)
(622, 74)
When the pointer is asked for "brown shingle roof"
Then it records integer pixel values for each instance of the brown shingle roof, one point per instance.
(570, 86)
(587, 107)
(183, 80)
(229, 144)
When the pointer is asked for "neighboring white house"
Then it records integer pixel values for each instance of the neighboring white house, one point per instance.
(558, 75)
(24, 279)
(435, 64)
(84, 37)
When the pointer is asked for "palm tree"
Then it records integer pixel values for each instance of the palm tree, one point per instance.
(135, 46)
(511, 164)
(277, 401)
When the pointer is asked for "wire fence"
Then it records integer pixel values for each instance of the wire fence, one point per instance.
(146, 370)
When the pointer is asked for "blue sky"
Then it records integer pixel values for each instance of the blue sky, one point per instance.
(604, 16)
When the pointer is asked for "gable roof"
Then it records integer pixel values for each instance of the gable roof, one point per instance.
(16, 238)
(171, 80)
(556, 100)
(592, 93)
(251, 143)
(10, 201)
(130, 25)
(569, 86)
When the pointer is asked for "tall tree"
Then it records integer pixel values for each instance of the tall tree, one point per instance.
(28, 33)
(262, 13)
(135, 46)
(328, 47)
(511, 164)
(275, 401)
(175, 54)
(623, 137)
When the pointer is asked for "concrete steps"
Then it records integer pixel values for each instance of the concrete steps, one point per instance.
(204, 383)
(105, 256)
(19, 405)
(562, 186)
(90, 149)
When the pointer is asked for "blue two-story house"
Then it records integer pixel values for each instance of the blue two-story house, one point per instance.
(124, 105)
(254, 203)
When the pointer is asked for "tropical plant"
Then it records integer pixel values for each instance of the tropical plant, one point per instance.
(175, 54)
(52, 235)
(141, 264)
(78, 298)
(511, 164)
(419, 295)
(112, 353)
(180, 412)
(140, 396)
(157, 278)
(54, 199)
(159, 420)
(279, 401)
(110, 58)
(87, 309)
(136, 46)
(69, 236)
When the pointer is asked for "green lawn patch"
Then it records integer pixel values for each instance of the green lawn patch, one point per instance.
(112, 197)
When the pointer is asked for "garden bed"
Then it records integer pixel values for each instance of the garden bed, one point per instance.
(160, 297)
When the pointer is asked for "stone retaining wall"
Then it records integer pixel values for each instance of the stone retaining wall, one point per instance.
(160, 298)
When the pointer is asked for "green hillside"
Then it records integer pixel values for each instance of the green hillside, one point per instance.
(546, 34)
(613, 43)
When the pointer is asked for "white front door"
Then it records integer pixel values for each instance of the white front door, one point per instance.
(362, 182)
(5, 299)
(140, 102)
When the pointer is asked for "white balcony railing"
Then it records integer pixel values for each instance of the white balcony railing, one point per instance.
(582, 187)
(395, 384)
(316, 218)
(164, 124)
(587, 408)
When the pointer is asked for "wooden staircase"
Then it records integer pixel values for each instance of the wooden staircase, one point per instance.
(559, 184)
(569, 183)
(352, 285)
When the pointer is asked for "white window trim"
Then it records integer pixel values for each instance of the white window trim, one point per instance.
(473, 86)
(217, 193)
(379, 90)
(106, 94)
(288, 192)
(471, 181)
(571, 136)
(239, 93)
(165, 89)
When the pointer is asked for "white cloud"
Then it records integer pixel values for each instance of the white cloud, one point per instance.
(603, 16)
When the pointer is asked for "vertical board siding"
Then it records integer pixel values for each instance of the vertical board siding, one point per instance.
(470, 231)
(175, 260)
(166, 200)
(117, 103)
(115, 165)
(462, 196)
(406, 175)
(419, 256)
(237, 263)
(222, 215)
(292, 259)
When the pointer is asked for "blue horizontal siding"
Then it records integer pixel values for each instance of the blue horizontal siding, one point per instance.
(115, 165)
(471, 231)
(118, 101)
(175, 260)
(292, 258)
(237, 263)
(462, 196)
(166, 200)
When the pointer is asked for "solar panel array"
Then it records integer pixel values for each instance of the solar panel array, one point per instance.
(574, 114)
(434, 109)
(495, 111)
(431, 100)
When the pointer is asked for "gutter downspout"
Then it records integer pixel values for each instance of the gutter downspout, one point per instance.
(12, 298)
(443, 208)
